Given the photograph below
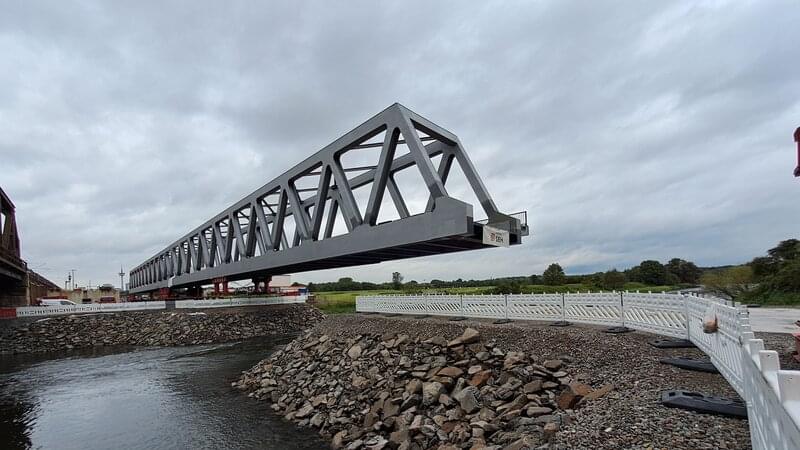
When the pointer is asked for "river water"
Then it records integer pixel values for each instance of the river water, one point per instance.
(155, 398)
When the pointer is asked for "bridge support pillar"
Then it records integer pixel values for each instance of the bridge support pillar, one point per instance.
(261, 284)
(13, 292)
(220, 286)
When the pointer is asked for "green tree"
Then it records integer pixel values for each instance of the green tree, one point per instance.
(613, 280)
(634, 274)
(554, 275)
(684, 271)
(764, 267)
(397, 280)
(653, 273)
(732, 282)
(787, 250)
(787, 279)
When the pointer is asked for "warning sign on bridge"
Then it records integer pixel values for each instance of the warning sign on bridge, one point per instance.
(495, 236)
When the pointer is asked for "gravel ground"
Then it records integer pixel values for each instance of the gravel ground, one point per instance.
(631, 417)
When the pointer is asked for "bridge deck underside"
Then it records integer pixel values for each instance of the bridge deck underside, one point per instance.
(12, 269)
(447, 229)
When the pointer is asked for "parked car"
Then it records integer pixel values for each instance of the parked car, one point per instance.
(57, 302)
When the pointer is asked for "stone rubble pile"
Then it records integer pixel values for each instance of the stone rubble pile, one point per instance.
(154, 328)
(395, 392)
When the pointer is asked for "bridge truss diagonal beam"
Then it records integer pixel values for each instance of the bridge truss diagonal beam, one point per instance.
(290, 223)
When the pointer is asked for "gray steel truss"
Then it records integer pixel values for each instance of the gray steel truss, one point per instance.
(250, 239)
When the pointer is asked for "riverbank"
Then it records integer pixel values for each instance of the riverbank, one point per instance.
(372, 382)
(157, 328)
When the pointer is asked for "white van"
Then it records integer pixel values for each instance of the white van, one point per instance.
(56, 302)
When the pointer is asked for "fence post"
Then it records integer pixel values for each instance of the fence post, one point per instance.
(506, 309)
(687, 312)
(622, 309)
(563, 308)
(461, 307)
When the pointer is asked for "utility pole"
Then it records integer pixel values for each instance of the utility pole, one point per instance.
(72, 278)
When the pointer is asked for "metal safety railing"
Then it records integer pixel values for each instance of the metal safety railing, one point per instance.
(772, 395)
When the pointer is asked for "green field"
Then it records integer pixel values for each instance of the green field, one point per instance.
(338, 302)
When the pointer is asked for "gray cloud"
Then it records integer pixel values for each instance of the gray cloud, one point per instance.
(638, 130)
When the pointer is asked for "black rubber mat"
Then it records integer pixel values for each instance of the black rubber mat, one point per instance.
(707, 404)
(617, 330)
(671, 343)
(698, 365)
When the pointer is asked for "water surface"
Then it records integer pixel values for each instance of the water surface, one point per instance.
(164, 398)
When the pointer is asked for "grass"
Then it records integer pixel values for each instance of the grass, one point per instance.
(342, 302)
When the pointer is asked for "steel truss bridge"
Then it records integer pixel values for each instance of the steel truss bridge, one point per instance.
(290, 224)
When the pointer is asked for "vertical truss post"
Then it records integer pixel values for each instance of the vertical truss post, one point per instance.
(381, 176)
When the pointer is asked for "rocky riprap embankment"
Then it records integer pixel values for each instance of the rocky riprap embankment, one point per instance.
(154, 328)
(631, 416)
(394, 391)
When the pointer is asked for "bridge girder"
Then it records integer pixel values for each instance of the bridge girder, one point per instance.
(251, 238)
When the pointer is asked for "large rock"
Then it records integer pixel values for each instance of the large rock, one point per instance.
(414, 386)
(599, 392)
(354, 352)
(451, 371)
(553, 364)
(467, 398)
(512, 359)
(304, 411)
(532, 387)
(480, 378)
(469, 336)
(567, 399)
(431, 391)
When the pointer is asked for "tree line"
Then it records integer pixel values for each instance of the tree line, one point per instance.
(773, 278)
(650, 272)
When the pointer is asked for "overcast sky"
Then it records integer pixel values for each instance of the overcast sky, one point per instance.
(627, 130)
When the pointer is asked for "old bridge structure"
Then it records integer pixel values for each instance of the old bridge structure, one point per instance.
(328, 212)
(13, 270)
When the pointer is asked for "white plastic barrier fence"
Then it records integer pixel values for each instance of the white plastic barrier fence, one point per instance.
(724, 346)
(443, 305)
(599, 308)
(536, 306)
(486, 306)
(34, 311)
(657, 313)
(772, 395)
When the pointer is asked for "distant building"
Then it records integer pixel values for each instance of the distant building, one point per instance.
(282, 285)
(103, 294)
(39, 287)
